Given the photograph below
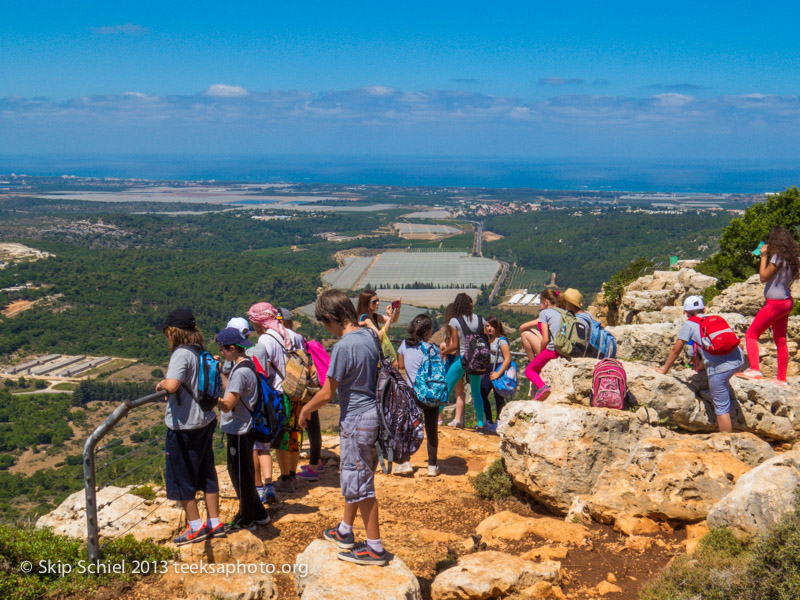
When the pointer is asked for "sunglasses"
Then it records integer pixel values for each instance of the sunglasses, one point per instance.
(376, 301)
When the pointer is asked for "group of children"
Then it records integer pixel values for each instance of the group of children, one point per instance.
(352, 375)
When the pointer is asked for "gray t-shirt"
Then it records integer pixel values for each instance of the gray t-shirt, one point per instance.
(780, 286)
(496, 353)
(354, 365)
(242, 381)
(552, 318)
(690, 331)
(471, 322)
(412, 358)
(182, 411)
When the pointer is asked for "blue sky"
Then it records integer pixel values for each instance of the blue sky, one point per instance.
(654, 80)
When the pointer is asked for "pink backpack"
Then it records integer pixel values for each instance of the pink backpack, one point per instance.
(609, 384)
(320, 357)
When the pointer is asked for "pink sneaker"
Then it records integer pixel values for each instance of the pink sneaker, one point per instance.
(750, 374)
(779, 382)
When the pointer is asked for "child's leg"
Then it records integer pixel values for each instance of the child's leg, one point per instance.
(369, 514)
(486, 387)
(477, 401)
(455, 376)
(431, 414)
(531, 343)
(314, 431)
(537, 364)
(761, 322)
(779, 327)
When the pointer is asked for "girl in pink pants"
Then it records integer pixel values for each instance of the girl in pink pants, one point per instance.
(778, 272)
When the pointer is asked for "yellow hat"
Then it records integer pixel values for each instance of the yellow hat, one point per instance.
(573, 296)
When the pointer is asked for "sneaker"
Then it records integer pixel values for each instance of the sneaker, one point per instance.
(308, 475)
(320, 467)
(264, 521)
(481, 430)
(218, 531)
(362, 554)
(268, 497)
(750, 374)
(440, 422)
(433, 471)
(343, 541)
(235, 526)
(403, 468)
(191, 536)
(779, 382)
(490, 428)
(285, 485)
(456, 424)
(542, 394)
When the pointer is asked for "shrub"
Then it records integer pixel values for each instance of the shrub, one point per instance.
(494, 482)
(144, 491)
(774, 571)
(613, 288)
(157, 373)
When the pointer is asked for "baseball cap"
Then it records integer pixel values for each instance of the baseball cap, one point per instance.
(239, 323)
(285, 314)
(182, 318)
(693, 303)
(231, 336)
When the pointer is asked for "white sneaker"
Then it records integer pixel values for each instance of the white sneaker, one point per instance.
(404, 468)
(433, 471)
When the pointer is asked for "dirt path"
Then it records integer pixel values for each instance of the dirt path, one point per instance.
(422, 518)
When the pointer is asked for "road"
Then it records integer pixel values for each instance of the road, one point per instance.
(500, 281)
(478, 237)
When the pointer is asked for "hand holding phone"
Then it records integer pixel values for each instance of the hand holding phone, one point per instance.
(395, 305)
(758, 251)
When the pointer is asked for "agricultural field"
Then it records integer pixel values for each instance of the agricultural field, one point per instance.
(429, 214)
(349, 275)
(424, 231)
(435, 269)
(426, 298)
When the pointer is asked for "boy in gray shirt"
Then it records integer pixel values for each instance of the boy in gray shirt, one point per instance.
(353, 371)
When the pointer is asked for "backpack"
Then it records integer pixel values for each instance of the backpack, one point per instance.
(321, 358)
(609, 384)
(572, 338)
(430, 385)
(507, 383)
(300, 382)
(269, 414)
(209, 381)
(400, 427)
(601, 343)
(716, 336)
(477, 358)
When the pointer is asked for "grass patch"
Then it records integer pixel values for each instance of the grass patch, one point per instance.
(494, 482)
(725, 568)
(21, 544)
(66, 386)
(144, 491)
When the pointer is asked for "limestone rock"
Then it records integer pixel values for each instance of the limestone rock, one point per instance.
(328, 578)
(681, 398)
(491, 574)
(668, 314)
(541, 590)
(678, 478)
(760, 498)
(745, 298)
(630, 525)
(556, 452)
(227, 585)
(117, 512)
(659, 290)
(646, 343)
(578, 512)
(511, 526)
(606, 587)
(242, 545)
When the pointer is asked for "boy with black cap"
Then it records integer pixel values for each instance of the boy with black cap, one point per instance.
(236, 421)
(190, 430)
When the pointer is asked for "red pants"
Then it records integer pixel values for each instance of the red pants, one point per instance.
(775, 314)
(537, 364)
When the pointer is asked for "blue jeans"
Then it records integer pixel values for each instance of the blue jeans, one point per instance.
(456, 372)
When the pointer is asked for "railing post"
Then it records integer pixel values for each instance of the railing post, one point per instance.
(90, 487)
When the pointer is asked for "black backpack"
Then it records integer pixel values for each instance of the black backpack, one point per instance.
(477, 358)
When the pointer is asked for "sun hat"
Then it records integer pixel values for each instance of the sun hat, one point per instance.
(693, 303)
(573, 296)
(231, 336)
(182, 318)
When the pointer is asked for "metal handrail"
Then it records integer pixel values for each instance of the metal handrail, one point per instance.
(92, 528)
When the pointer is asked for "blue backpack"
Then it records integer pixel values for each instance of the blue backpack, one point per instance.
(269, 414)
(430, 386)
(209, 381)
(601, 343)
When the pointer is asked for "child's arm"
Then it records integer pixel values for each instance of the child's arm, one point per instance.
(677, 347)
(766, 269)
(168, 385)
(320, 399)
(227, 402)
(528, 325)
(506, 363)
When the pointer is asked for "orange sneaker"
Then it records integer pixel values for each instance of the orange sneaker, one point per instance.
(750, 374)
(779, 382)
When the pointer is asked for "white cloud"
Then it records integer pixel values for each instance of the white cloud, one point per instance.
(220, 90)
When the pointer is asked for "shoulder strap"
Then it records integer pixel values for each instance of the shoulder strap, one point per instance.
(695, 319)
(377, 342)
(247, 364)
(196, 351)
(285, 352)
(464, 328)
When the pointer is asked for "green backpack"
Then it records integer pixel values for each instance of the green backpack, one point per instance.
(572, 338)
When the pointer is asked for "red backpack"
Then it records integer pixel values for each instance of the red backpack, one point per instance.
(609, 384)
(716, 336)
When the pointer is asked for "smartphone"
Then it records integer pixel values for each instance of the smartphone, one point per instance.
(395, 304)
(757, 251)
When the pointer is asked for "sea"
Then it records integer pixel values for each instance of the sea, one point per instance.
(557, 174)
